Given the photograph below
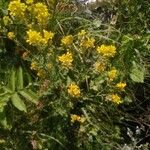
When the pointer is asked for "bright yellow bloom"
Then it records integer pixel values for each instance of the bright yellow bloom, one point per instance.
(41, 73)
(41, 13)
(11, 35)
(107, 50)
(34, 37)
(112, 74)
(121, 85)
(81, 33)
(74, 90)
(34, 65)
(67, 40)
(99, 67)
(77, 118)
(29, 1)
(47, 36)
(115, 98)
(88, 43)
(17, 9)
(66, 59)
(6, 20)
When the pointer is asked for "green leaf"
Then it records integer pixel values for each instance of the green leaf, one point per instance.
(137, 73)
(19, 78)
(18, 103)
(11, 83)
(29, 95)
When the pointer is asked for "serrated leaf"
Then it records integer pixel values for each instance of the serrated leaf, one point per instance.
(18, 102)
(19, 78)
(137, 73)
(29, 95)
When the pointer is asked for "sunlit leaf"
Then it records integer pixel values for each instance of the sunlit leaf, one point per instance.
(18, 103)
(29, 95)
(19, 78)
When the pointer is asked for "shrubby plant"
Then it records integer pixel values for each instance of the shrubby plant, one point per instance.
(78, 77)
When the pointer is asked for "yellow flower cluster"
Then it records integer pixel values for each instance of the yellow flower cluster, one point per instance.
(99, 67)
(11, 35)
(34, 65)
(47, 36)
(87, 43)
(66, 59)
(41, 73)
(112, 74)
(115, 98)
(121, 85)
(107, 50)
(74, 90)
(41, 13)
(35, 38)
(67, 40)
(17, 9)
(77, 118)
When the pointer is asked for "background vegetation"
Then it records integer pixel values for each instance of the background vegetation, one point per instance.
(73, 78)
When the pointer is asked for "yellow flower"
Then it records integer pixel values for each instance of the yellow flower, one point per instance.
(107, 51)
(11, 35)
(41, 73)
(34, 37)
(6, 20)
(74, 90)
(47, 36)
(29, 1)
(66, 59)
(99, 67)
(115, 98)
(77, 118)
(81, 33)
(88, 43)
(17, 9)
(41, 13)
(112, 74)
(67, 40)
(121, 85)
(34, 65)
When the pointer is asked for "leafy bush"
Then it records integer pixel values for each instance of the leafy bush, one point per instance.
(78, 72)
